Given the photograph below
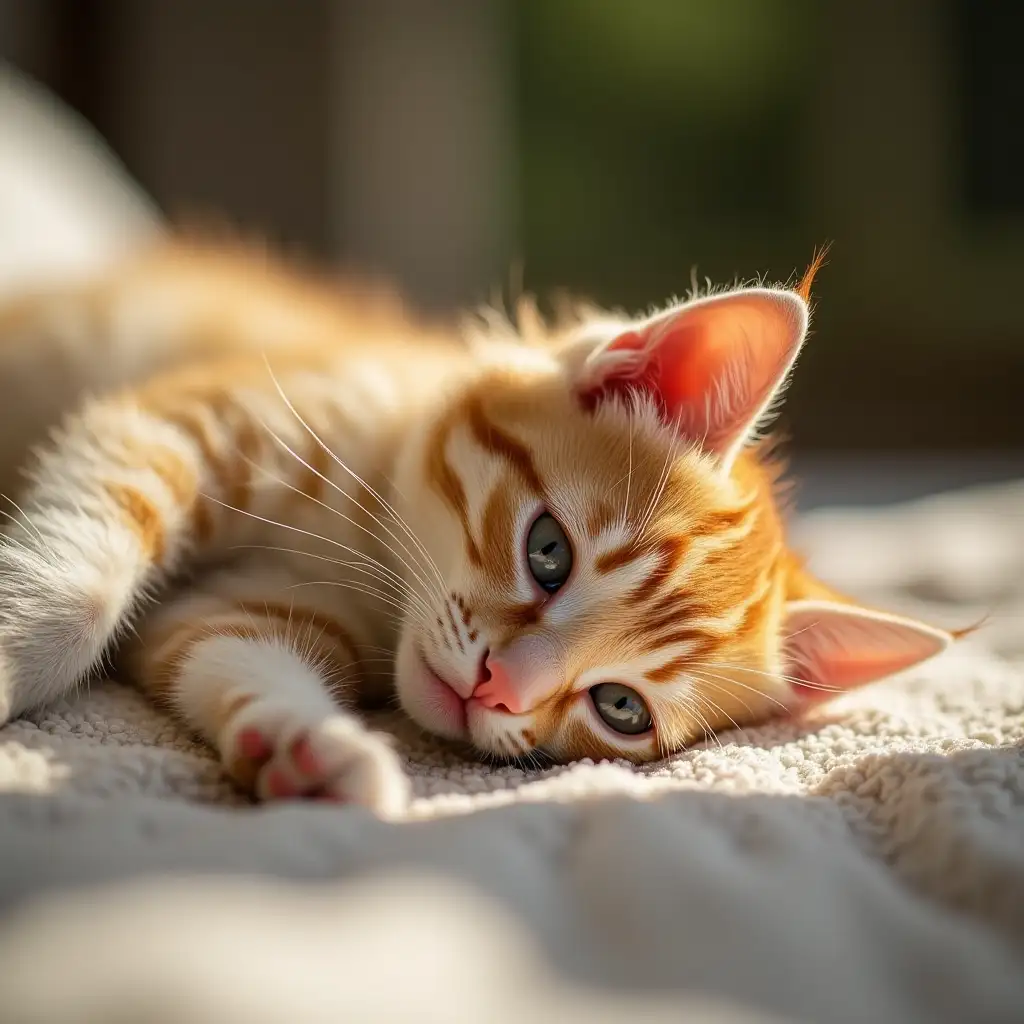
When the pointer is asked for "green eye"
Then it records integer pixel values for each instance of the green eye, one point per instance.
(621, 708)
(548, 553)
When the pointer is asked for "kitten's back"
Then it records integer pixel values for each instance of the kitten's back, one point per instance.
(177, 303)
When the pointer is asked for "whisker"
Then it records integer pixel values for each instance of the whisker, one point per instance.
(745, 686)
(795, 680)
(666, 472)
(331, 508)
(376, 648)
(7, 539)
(649, 510)
(718, 686)
(629, 474)
(625, 476)
(357, 587)
(25, 522)
(362, 554)
(709, 732)
(539, 760)
(355, 476)
(288, 526)
(802, 629)
(662, 748)
(401, 588)
(714, 707)
(689, 709)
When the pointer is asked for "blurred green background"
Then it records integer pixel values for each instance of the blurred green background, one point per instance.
(617, 148)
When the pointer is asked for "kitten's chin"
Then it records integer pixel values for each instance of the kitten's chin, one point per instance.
(499, 732)
(426, 698)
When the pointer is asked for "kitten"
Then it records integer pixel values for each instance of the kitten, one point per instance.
(543, 539)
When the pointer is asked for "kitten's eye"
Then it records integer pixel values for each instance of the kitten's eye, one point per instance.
(548, 553)
(621, 708)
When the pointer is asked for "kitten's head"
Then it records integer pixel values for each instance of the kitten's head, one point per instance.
(608, 575)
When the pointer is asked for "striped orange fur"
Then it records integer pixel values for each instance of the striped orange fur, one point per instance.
(299, 496)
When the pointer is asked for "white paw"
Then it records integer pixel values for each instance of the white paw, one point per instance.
(283, 754)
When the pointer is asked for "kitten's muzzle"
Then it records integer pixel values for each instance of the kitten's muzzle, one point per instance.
(518, 678)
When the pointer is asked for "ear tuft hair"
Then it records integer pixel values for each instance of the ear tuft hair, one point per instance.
(818, 260)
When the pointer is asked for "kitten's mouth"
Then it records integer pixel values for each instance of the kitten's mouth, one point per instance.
(445, 704)
(447, 713)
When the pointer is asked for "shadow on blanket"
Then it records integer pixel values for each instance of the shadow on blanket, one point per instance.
(898, 866)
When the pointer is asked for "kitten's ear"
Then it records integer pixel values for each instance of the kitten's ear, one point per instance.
(833, 646)
(713, 365)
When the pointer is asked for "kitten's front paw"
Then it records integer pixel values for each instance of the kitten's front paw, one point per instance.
(279, 754)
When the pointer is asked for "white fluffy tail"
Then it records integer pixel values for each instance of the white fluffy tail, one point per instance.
(68, 208)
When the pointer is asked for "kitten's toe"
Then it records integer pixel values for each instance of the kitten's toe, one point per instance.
(342, 761)
(372, 775)
(304, 759)
(277, 754)
(252, 744)
(277, 784)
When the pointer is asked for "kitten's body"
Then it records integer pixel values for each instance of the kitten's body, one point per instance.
(278, 486)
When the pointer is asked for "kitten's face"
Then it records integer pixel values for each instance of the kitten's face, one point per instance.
(605, 595)
(608, 572)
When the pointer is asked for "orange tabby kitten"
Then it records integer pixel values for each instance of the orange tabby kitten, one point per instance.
(552, 540)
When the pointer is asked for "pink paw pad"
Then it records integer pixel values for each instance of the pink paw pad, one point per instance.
(254, 745)
(279, 785)
(303, 758)
(275, 753)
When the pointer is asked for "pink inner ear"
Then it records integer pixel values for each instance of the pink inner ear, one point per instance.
(836, 647)
(712, 365)
(681, 364)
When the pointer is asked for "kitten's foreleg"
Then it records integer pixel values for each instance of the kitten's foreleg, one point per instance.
(129, 490)
(260, 669)
(105, 515)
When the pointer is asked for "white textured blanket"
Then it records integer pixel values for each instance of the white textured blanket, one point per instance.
(867, 865)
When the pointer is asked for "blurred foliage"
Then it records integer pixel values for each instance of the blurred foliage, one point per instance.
(657, 135)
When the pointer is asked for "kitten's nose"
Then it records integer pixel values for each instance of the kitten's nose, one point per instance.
(483, 673)
(496, 688)
(520, 676)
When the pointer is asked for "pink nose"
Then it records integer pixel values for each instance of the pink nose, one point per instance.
(497, 689)
(520, 676)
